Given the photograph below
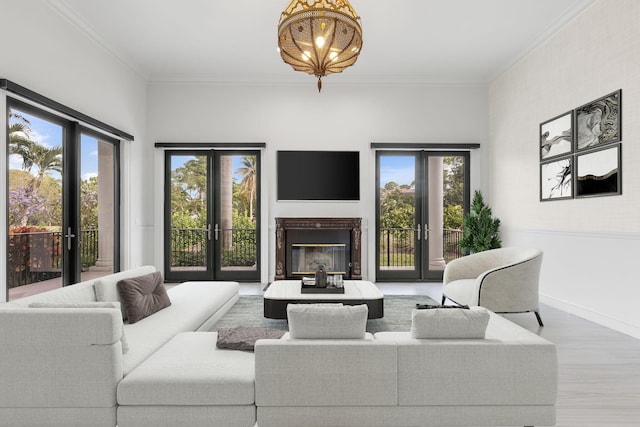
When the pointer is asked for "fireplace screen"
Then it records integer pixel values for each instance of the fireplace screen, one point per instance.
(306, 258)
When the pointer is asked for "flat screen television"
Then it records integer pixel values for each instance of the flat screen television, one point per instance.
(318, 175)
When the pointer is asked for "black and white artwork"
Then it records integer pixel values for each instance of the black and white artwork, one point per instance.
(598, 122)
(598, 172)
(556, 136)
(555, 179)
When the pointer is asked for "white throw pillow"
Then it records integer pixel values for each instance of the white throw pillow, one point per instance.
(113, 304)
(107, 291)
(449, 323)
(327, 321)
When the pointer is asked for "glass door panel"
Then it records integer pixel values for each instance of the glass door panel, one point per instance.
(188, 225)
(35, 253)
(98, 195)
(398, 211)
(237, 210)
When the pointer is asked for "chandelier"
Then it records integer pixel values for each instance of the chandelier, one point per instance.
(319, 37)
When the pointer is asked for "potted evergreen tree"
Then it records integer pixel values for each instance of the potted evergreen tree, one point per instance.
(480, 231)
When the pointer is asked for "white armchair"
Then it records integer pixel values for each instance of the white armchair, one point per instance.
(503, 280)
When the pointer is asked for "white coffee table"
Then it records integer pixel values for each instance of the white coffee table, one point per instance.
(284, 292)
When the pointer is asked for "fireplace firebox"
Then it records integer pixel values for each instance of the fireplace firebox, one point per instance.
(303, 244)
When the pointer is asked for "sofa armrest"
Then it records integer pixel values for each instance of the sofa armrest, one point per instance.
(60, 326)
(60, 357)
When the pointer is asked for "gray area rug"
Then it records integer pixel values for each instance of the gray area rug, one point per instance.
(248, 311)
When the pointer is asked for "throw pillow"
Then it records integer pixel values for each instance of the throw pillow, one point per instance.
(107, 291)
(123, 338)
(143, 295)
(449, 323)
(245, 337)
(327, 321)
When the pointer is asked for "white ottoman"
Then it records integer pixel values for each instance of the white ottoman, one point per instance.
(190, 382)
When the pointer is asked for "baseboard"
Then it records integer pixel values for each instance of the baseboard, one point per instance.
(592, 316)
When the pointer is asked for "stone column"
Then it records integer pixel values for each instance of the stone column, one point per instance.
(436, 219)
(226, 201)
(105, 207)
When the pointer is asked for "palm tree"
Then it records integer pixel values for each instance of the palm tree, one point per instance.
(32, 154)
(19, 138)
(249, 180)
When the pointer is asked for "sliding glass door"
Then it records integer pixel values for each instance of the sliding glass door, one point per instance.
(420, 201)
(212, 215)
(63, 202)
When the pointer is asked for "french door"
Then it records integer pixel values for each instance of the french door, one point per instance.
(63, 180)
(212, 224)
(421, 198)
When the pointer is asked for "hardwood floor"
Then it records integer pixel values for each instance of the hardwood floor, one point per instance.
(598, 368)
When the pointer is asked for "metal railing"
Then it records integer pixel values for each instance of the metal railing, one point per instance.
(37, 256)
(188, 247)
(397, 246)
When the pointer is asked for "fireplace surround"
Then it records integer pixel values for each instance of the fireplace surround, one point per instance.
(302, 243)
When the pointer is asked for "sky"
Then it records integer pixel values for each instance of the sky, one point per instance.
(399, 169)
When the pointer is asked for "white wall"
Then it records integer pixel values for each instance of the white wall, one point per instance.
(45, 53)
(296, 117)
(590, 245)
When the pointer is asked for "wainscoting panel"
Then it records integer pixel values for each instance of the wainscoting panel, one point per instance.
(592, 275)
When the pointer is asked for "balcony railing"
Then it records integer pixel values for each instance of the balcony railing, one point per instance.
(37, 256)
(397, 246)
(188, 247)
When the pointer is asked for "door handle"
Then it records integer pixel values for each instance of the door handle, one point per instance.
(69, 236)
(216, 231)
(419, 232)
(426, 232)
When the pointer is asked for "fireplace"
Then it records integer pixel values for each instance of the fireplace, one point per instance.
(303, 244)
(306, 258)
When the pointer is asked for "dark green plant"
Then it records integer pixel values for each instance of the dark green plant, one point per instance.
(480, 229)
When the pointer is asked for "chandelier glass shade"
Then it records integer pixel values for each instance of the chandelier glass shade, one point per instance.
(319, 37)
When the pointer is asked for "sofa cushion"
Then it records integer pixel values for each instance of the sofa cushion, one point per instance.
(245, 337)
(327, 321)
(143, 295)
(123, 338)
(189, 370)
(449, 323)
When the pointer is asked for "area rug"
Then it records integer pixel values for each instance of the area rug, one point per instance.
(248, 311)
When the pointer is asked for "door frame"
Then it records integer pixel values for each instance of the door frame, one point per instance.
(421, 250)
(213, 270)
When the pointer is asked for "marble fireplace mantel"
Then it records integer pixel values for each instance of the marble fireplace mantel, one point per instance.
(290, 229)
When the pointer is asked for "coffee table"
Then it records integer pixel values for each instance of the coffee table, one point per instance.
(284, 292)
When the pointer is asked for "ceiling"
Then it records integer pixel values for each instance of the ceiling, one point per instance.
(426, 41)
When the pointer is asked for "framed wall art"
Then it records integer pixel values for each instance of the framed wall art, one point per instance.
(556, 181)
(599, 122)
(556, 136)
(598, 172)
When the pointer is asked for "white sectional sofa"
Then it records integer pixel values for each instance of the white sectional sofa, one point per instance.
(65, 367)
(62, 366)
